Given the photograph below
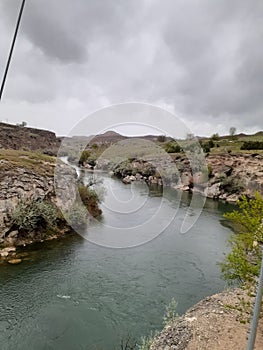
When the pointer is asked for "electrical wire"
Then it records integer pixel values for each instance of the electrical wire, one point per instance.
(12, 48)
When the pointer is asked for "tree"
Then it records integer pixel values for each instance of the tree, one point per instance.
(243, 261)
(232, 131)
(215, 137)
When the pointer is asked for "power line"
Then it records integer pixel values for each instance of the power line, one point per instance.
(12, 48)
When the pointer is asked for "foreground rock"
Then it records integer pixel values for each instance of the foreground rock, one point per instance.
(215, 323)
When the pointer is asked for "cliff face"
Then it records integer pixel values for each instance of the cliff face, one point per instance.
(25, 176)
(232, 175)
(28, 139)
(229, 176)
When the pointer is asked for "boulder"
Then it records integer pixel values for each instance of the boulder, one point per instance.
(213, 191)
(14, 261)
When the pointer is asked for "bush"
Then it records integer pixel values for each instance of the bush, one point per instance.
(38, 213)
(206, 147)
(90, 200)
(242, 264)
(170, 313)
(215, 137)
(249, 145)
(84, 157)
(172, 147)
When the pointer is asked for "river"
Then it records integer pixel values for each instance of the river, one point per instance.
(72, 294)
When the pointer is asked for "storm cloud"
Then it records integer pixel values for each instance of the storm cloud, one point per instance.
(201, 60)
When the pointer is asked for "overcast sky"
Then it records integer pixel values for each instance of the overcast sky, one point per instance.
(201, 60)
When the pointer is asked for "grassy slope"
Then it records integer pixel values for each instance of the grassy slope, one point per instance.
(37, 162)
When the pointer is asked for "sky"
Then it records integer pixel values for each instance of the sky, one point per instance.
(200, 60)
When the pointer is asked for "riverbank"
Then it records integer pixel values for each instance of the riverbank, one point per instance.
(215, 323)
(226, 177)
(29, 205)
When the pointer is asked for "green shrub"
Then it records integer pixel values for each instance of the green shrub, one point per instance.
(170, 313)
(243, 262)
(146, 342)
(250, 145)
(215, 137)
(90, 199)
(38, 213)
(172, 147)
(84, 157)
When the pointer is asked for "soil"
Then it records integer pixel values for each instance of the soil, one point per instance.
(219, 322)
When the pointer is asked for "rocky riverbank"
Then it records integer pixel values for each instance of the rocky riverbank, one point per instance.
(218, 322)
(26, 178)
(228, 176)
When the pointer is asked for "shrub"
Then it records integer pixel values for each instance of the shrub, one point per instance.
(243, 262)
(215, 137)
(206, 147)
(249, 145)
(170, 313)
(90, 200)
(172, 147)
(84, 157)
(38, 213)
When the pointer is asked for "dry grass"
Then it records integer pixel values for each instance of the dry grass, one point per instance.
(37, 162)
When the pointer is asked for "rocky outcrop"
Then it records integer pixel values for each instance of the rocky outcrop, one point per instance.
(218, 322)
(234, 175)
(228, 176)
(28, 139)
(25, 177)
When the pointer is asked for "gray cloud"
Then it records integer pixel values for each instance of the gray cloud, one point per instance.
(202, 59)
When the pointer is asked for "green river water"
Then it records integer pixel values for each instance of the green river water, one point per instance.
(71, 294)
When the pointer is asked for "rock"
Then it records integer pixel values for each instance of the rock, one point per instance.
(14, 261)
(4, 254)
(13, 234)
(126, 179)
(213, 191)
(232, 198)
(25, 179)
(5, 251)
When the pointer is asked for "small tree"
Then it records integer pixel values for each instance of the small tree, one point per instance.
(232, 131)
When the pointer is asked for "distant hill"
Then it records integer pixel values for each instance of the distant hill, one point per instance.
(31, 139)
